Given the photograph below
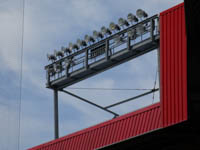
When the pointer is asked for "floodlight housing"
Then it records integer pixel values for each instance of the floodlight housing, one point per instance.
(89, 39)
(123, 22)
(66, 50)
(51, 57)
(132, 18)
(105, 31)
(97, 34)
(58, 53)
(141, 13)
(73, 46)
(114, 26)
(81, 42)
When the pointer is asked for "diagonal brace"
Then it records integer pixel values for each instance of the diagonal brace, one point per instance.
(89, 102)
(132, 98)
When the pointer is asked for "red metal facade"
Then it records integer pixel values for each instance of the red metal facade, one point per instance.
(173, 62)
(109, 132)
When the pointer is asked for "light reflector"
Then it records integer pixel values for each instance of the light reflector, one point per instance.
(132, 18)
(114, 27)
(123, 22)
(141, 13)
(97, 34)
(105, 31)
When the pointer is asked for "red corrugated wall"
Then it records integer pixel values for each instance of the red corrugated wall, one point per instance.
(173, 62)
(109, 132)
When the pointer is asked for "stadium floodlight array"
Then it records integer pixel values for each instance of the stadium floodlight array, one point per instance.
(66, 57)
(105, 32)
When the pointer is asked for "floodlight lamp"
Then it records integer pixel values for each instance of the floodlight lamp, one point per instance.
(66, 50)
(132, 18)
(141, 13)
(59, 53)
(105, 31)
(114, 26)
(81, 42)
(73, 46)
(97, 35)
(132, 34)
(51, 57)
(89, 39)
(70, 46)
(123, 22)
(140, 29)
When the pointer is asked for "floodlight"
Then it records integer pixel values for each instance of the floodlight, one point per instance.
(66, 50)
(132, 18)
(132, 34)
(105, 31)
(97, 34)
(114, 26)
(51, 57)
(81, 42)
(73, 46)
(59, 53)
(141, 13)
(89, 39)
(123, 22)
(140, 29)
(118, 39)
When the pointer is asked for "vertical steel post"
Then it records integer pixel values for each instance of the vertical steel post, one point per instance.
(48, 78)
(129, 43)
(56, 123)
(158, 55)
(86, 59)
(107, 49)
(152, 29)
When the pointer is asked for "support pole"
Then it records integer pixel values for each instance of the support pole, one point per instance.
(107, 49)
(152, 29)
(86, 59)
(56, 125)
(158, 54)
(129, 43)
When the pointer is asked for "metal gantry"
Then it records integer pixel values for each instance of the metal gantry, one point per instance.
(104, 54)
(102, 51)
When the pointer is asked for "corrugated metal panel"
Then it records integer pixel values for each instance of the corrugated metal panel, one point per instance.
(109, 132)
(173, 65)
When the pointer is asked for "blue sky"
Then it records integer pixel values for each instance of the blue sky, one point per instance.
(49, 25)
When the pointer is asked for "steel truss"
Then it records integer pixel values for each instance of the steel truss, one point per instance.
(101, 56)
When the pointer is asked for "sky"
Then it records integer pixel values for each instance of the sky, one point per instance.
(48, 25)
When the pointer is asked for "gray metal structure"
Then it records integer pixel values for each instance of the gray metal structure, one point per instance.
(109, 51)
